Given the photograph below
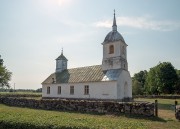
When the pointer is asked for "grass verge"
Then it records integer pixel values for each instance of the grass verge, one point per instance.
(25, 118)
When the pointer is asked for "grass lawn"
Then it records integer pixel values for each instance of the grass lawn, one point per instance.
(55, 119)
(10, 93)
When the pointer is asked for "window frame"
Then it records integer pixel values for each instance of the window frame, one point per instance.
(48, 90)
(71, 90)
(111, 49)
(86, 89)
(59, 90)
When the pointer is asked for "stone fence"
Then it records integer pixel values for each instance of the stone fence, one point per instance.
(109, 107)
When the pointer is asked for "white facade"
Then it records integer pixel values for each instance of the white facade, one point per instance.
(124, 85)
(97, 90)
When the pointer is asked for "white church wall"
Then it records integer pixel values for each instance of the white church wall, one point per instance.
(97, 90)
(124, 85)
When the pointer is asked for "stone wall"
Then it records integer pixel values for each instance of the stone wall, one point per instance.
(110, 107)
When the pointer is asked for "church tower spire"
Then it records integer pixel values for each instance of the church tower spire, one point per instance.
(114, 27)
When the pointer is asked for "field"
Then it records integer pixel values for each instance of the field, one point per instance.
(16, 117)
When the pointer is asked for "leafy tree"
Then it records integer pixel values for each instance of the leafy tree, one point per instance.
(150, 85)
(5, 75)
(161, 79)
(141, 77)
(137, 88)
(177, 86)
(139, 82)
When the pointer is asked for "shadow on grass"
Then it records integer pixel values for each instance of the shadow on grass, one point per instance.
(127, 115)
(166, 106)
(151, 118)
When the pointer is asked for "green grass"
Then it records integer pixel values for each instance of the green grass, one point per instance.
(166, 107)
(32, 118)
(10, 93)
(28, 95)
(55, 119)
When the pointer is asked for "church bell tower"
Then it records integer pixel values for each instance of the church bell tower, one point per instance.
(61, 63)
(114, 50)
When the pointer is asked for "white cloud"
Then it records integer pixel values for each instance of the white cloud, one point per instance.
(141, 23)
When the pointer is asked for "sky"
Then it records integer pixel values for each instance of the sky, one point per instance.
(33, 33)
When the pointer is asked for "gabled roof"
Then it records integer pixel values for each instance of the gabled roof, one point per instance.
(62, 57)
(83, 74)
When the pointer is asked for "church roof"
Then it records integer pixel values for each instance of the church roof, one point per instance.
(62, 57)
(114, 35)
(83, 74)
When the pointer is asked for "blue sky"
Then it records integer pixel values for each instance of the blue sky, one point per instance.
(32, 33)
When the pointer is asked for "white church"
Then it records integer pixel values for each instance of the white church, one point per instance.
(109, 81)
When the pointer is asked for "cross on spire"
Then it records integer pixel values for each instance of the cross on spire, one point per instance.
(114, 27)
(62, 51)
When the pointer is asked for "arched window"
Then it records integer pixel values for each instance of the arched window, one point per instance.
(111, 49)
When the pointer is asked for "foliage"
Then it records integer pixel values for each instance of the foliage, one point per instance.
(177, 86)
(137, 88)
(151, 86)
(5, 75)
(39, 90)
(141, 77)
(161, 79)
(138, 82)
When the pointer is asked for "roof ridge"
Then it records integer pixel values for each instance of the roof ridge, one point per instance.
(83, 67)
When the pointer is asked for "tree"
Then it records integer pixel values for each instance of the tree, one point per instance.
(177, 86)
(139, 82)
(161, 79)
(137, 88)
(141, 77)
(39, 90)
(150, 84)
(5, 75)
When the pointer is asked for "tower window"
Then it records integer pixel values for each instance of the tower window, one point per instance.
(71, 90)
(111, 49)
